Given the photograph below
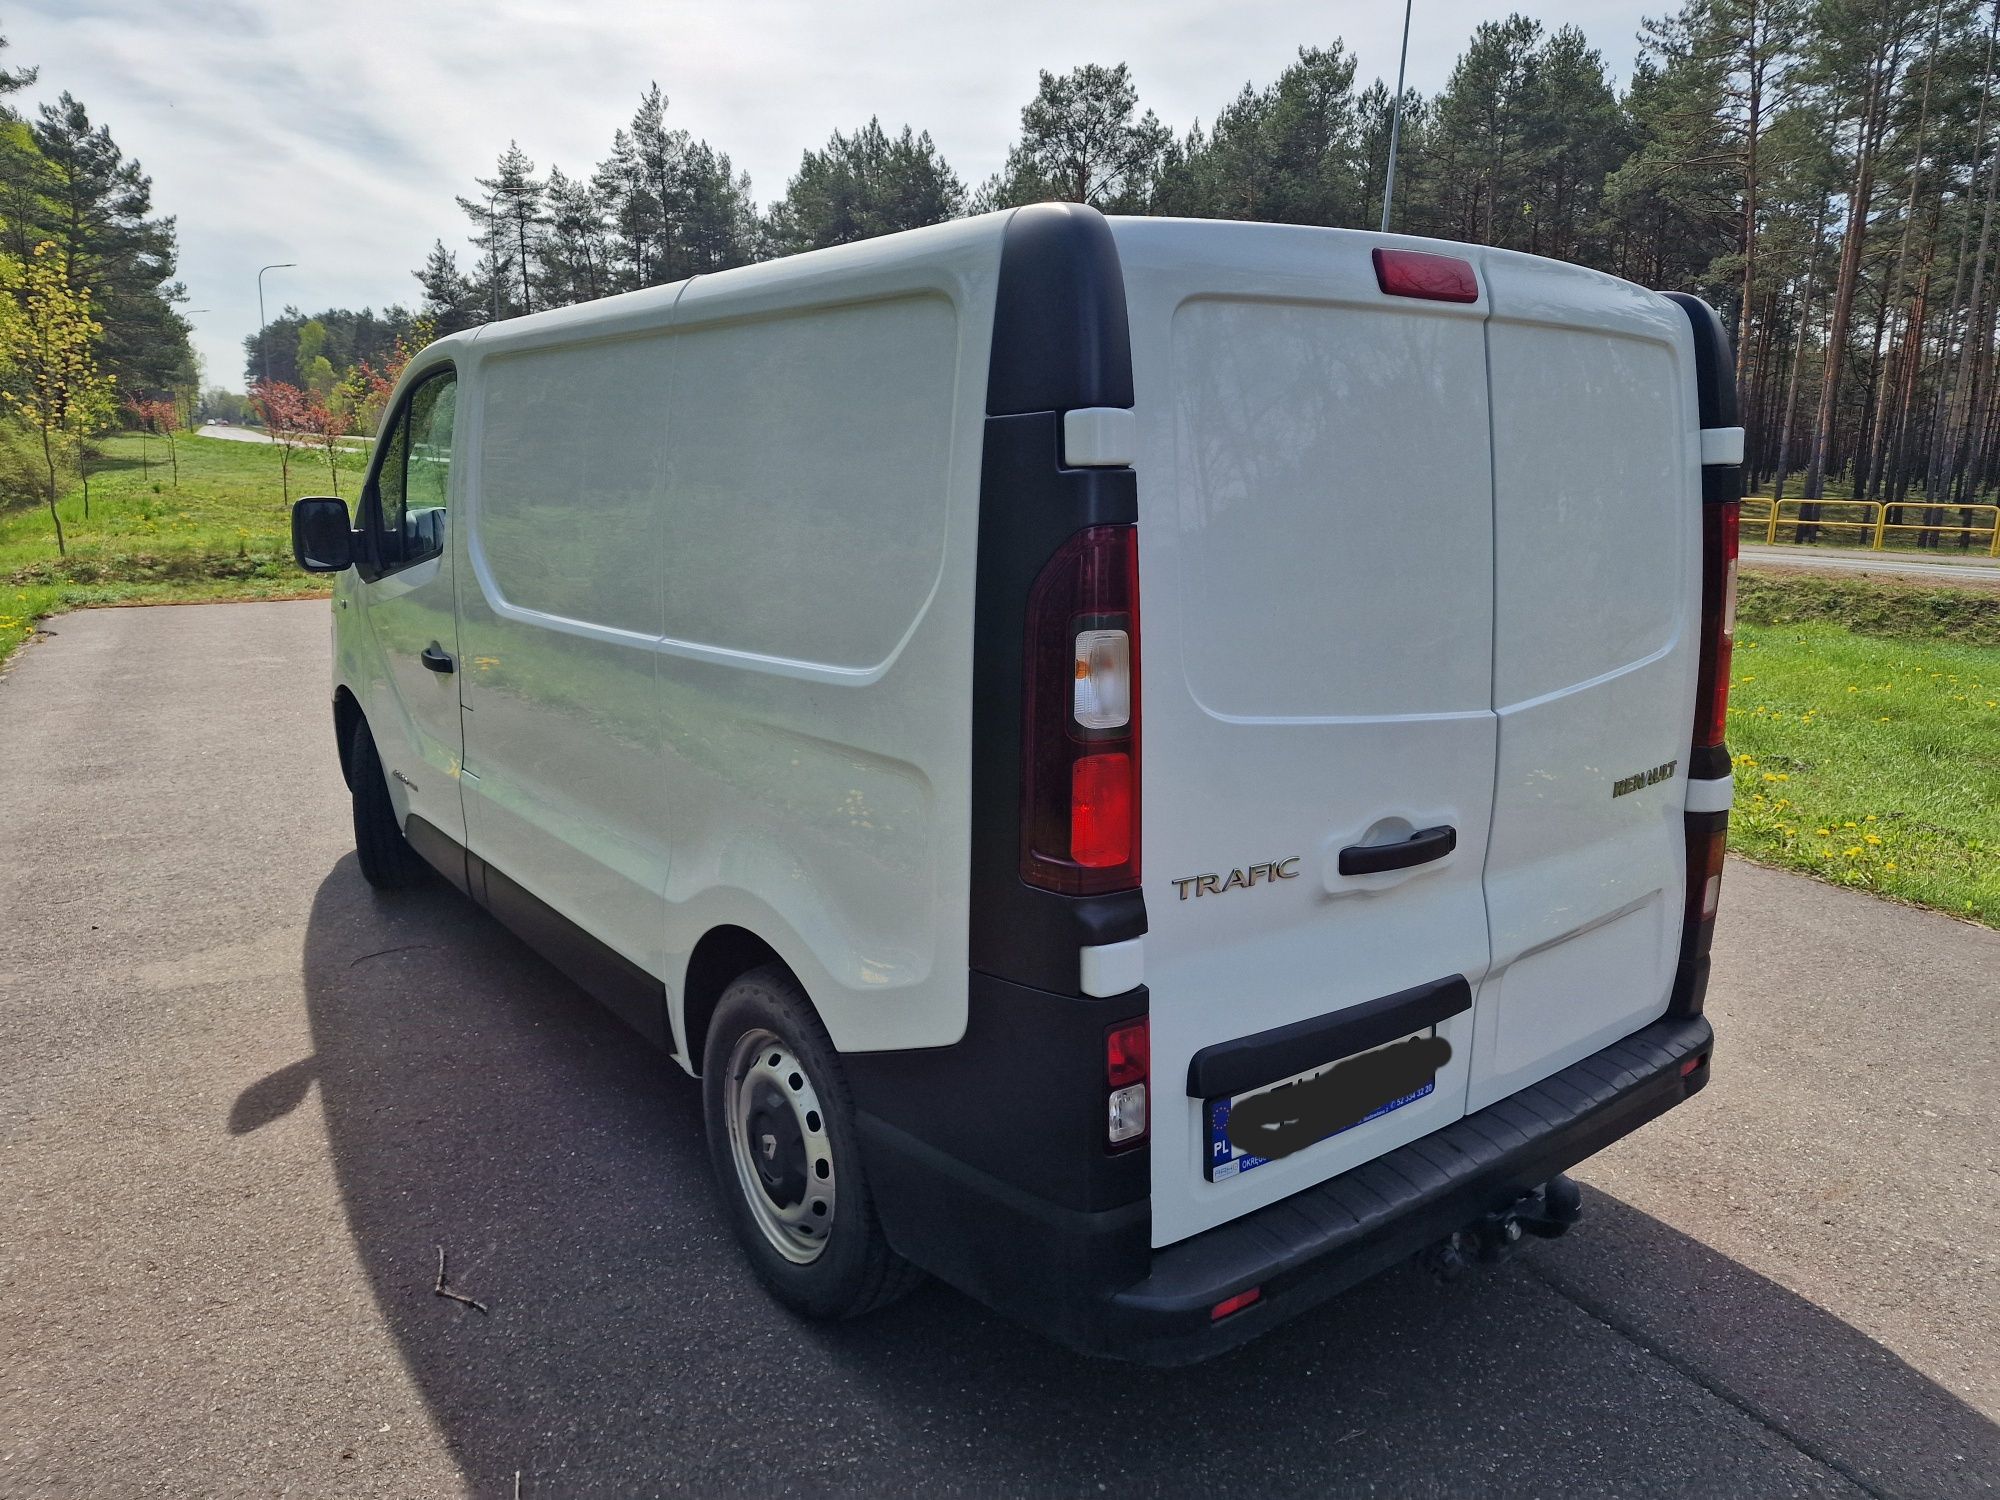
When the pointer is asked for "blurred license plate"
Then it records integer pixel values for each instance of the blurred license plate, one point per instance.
(1225, 1160)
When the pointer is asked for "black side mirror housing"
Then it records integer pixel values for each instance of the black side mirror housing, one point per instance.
(322, 535)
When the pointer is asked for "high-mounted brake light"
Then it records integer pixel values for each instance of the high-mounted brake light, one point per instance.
(1418, 273)
(1718, 621)
(1080, 735)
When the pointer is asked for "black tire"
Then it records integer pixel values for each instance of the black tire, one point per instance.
(853, 1270)
(387, 861)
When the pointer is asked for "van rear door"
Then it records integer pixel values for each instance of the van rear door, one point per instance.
(1597, 531)
(1316, 575)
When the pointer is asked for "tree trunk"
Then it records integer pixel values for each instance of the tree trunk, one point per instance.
(1867, 138)
(1747, 373)
(49, 457)
(1952, 363)
(1872, 454)
(1783, 466)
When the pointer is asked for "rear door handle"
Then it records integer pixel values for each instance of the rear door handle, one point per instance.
(439, 660)
(1420, 848)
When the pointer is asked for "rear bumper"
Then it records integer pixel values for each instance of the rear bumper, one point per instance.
(1075, 1275)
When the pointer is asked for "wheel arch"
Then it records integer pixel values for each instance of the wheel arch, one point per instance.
(346, 714)
(725, 954)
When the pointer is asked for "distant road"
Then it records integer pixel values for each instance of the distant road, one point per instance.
(234, 434)
(257, 435)
(1952, 569)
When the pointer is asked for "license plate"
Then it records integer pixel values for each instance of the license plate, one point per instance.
(1225, 1159)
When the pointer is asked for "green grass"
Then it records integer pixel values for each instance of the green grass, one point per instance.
(1961, 616)
(1869, 760)
(223, 533)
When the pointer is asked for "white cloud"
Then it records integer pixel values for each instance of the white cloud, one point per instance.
(336, 136)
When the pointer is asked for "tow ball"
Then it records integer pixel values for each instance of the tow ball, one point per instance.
(1545, 1212)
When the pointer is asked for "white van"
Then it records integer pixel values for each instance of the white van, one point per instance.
(802, 657)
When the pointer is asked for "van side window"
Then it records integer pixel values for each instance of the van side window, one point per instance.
(413, 479)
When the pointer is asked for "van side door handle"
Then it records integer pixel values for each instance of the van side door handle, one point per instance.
(1420, 848)
(439, 660)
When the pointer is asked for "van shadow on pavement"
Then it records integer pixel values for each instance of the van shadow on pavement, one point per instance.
(475, 1099)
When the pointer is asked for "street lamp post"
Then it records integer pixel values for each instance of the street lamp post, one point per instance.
(263, 340)
(1396, 118)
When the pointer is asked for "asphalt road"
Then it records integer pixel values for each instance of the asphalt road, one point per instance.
(243, 1100)
(229, 432)
(1948, 567)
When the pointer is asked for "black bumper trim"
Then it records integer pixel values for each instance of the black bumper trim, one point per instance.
(1084, 1277)
(1319, 1242)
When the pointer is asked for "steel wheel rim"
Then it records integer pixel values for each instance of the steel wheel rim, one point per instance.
(779, 1143)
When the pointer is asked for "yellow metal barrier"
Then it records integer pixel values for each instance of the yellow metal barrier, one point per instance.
(1870, 519)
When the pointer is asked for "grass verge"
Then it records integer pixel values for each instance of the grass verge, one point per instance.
(1865, 720)
(222, 532)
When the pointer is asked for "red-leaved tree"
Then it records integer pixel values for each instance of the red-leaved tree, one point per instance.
(287, 422)
(327, 422)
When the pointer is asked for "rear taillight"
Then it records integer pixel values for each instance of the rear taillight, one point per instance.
(1080, 751)
(1707, 839)
(1718, 622)
(1128, 1063)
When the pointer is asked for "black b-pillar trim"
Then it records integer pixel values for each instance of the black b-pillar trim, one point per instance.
(1060, 342)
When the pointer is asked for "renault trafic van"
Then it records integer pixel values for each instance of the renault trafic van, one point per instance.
(1152, 768)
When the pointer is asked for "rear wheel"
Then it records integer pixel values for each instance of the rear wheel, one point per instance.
(387, 861)
(781, 1141)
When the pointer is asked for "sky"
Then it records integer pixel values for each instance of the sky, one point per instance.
(336, 135)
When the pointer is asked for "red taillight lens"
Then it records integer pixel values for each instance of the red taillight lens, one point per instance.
(1128, 1054)
(1100, 811)
(1435, 278)
(1718, 621)
(1080, 738)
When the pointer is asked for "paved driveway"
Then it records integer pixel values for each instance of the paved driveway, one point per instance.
(243, 1100)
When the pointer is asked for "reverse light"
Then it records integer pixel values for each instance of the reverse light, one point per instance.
(1103, 679)
(1128, 1060)
(1418, 273)
(1080, 729)
(1707, 842)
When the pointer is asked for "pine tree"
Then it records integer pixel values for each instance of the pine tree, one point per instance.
(861, 185)
(510, 222)
(1083, 140)
(574, 255)
(452, 301)
(97, 211)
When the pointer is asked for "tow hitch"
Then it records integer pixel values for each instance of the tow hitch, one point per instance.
(1547, 1213)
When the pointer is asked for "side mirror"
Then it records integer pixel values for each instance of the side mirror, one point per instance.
(322, 535)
